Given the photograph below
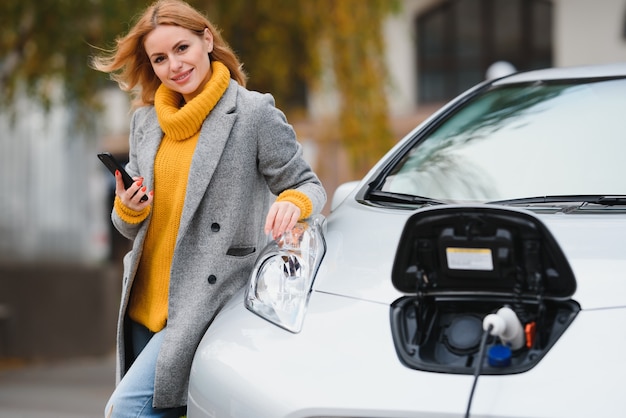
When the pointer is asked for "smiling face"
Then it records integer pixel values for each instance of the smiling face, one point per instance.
(180, 58)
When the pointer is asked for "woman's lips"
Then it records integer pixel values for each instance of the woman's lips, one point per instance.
(182, 77)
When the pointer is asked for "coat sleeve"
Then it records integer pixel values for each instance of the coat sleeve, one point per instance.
(280, 155)
(129, 229)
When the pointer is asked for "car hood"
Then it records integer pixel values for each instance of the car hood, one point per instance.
(362, 242)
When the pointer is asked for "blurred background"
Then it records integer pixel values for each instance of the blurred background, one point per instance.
(353, 77)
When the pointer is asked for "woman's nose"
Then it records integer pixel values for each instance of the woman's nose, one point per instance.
(175, 64)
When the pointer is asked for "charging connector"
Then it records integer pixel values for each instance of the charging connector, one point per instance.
(506, 325)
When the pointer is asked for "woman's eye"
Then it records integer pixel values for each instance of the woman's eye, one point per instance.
(183, 48)
(158, 60)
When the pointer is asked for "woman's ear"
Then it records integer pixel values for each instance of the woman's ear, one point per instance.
(208, 38)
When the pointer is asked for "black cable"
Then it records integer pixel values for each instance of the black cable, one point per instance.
(479, 366)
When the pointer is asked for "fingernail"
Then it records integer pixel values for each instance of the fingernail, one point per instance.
(143, 189)
(151, 193)
(117, 172)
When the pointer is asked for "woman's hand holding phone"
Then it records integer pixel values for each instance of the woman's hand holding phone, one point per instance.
(134, 197)
(131, 191)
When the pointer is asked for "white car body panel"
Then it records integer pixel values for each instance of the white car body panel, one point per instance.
(249, 351)
(271, 379)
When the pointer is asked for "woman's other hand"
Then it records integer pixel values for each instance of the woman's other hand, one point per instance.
(281, 217)
(131, 197)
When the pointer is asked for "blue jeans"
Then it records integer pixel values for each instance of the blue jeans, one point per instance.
(132, 398)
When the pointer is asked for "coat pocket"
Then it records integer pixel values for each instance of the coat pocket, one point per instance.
(240, 251)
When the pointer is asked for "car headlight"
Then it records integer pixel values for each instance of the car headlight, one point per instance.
(283, 275)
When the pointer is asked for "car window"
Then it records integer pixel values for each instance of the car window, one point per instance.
(517, 141)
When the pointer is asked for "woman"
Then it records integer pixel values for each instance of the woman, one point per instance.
(211, 155)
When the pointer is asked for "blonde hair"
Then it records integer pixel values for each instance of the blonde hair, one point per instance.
(128, 62)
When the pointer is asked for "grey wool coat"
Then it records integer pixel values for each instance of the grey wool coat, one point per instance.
(246, 154)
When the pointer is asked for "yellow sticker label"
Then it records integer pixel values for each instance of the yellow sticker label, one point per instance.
(469, 258)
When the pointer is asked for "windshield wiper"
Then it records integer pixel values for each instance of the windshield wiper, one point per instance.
(380, 196)
(608, 200)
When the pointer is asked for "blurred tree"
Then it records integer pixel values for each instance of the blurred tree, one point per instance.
(356, 43)
(281, 43)
(47, 40)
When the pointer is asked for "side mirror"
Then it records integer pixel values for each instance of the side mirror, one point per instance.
(341, 193)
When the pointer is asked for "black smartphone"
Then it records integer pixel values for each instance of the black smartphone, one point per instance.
(112, 164)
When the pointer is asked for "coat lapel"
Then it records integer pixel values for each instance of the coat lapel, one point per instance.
(150, 145)
(213, 138)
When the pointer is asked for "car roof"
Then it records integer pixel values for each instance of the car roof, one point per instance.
(617, 69)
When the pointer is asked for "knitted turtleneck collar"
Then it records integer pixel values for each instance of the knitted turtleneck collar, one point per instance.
(183, 122)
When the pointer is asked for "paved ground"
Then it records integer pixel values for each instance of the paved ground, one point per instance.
(77, 388)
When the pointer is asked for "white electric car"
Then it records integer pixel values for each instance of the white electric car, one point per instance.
(478, 270)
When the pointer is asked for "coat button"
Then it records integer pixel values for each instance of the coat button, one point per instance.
(215, 227)
(212, 279)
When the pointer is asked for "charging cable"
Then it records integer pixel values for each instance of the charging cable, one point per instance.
(479, 366)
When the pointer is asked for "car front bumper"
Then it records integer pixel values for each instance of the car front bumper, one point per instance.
(344, 364)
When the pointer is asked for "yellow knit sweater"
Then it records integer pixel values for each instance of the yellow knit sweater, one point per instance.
(148, 303)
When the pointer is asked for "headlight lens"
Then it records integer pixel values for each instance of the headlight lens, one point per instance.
(283, 275)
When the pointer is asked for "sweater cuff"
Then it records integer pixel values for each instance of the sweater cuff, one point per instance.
(299, 199)
(128, 215)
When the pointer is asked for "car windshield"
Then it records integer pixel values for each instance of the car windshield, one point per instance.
(517, 141)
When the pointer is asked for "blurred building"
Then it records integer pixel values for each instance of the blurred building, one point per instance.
(438, 48)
